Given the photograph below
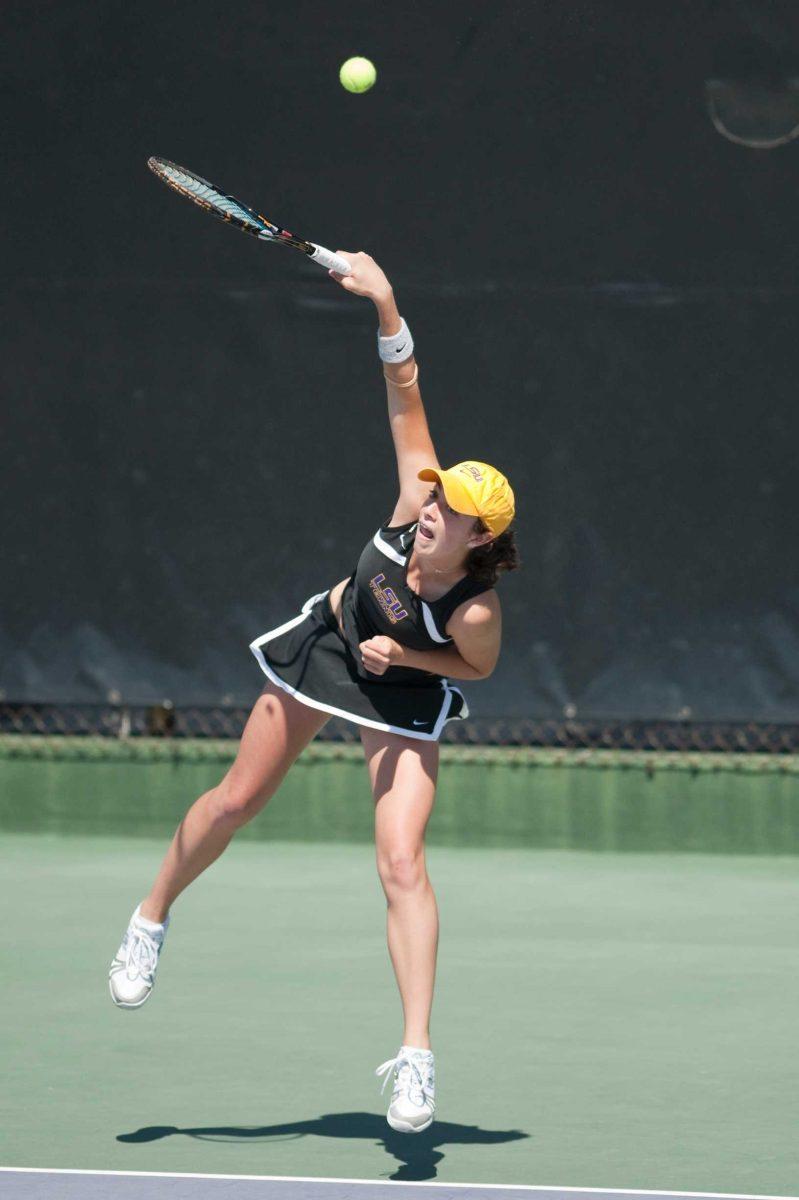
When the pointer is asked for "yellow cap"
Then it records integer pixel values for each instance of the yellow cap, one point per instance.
(477, 489)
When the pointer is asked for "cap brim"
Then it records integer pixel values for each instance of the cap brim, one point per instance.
(456, 494)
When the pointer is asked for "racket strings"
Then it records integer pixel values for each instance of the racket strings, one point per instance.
(198, 189)
(228, 208)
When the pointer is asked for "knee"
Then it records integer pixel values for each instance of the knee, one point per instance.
(401, 870)
(234, 803)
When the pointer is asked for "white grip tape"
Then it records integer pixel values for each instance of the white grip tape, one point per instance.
(333, 262)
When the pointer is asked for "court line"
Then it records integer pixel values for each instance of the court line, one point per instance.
(508, 1187)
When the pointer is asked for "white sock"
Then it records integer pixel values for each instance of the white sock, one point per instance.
(414, 1050)
(150, 926)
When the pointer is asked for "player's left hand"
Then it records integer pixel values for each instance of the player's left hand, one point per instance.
(380, 653)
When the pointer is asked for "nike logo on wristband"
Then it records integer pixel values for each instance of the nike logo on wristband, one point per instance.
(400, 348)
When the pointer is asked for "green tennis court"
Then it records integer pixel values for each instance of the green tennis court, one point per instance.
(609, 1013)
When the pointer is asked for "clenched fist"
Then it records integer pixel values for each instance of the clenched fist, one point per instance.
(380, 653)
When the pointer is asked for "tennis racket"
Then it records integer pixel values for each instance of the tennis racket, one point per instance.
(229, 209)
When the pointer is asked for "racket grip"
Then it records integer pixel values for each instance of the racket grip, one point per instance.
(329, 260)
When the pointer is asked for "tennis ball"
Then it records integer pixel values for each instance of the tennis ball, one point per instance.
(357, 75)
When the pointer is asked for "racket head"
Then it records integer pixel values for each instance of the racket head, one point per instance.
(221, 204)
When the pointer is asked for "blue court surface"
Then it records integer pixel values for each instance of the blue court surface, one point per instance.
(31, 1184)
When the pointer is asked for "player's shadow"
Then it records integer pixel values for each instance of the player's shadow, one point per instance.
(418, 1154)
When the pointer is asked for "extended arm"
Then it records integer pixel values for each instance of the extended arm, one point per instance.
(412, 442)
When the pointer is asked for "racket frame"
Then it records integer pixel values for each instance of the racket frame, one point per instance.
(231, 210)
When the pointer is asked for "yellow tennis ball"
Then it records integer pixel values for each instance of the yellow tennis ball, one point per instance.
(357, 75)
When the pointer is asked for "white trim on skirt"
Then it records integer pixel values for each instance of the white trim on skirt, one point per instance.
(448, 688)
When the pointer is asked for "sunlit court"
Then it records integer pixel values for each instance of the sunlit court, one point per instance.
(399, 617)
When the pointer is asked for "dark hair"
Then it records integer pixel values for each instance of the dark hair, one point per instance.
(487, 562)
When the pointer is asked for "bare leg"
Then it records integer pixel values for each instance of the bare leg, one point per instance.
(279, 727)
(403, 773)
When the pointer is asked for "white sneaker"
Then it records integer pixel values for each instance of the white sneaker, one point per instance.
(132, 973)
(413, 1102)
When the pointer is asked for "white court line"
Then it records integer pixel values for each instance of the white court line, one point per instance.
(507, 1187)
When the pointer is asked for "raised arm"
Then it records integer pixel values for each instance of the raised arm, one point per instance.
(412, 442)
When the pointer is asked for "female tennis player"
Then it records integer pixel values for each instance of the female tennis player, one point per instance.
(379, 649)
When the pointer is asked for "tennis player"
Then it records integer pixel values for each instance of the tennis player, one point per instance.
(380, 648)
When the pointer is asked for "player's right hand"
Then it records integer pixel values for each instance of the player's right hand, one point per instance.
(365, 279)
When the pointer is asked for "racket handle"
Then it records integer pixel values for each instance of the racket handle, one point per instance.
(329, 260)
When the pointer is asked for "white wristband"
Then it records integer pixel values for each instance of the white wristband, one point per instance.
(398, 347)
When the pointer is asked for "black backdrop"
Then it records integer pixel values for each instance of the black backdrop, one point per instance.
(602, 291)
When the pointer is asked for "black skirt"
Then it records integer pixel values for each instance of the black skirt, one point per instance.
(309, 658)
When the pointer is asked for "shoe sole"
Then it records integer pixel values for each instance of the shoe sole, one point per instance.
(405, 1127)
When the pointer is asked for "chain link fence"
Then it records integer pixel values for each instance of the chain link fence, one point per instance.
(122, 722)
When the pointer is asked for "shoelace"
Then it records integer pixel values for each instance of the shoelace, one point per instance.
(413, 1072)
(141, 955)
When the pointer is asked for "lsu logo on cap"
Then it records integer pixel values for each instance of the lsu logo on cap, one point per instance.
(470, 469)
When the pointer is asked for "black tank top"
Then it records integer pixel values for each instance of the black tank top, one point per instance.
(377, 600)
